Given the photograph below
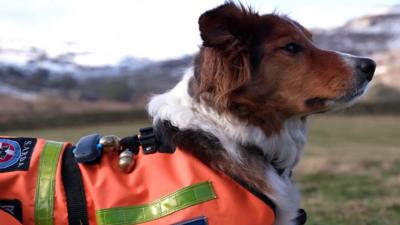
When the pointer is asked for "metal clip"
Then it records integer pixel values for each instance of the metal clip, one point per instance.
(148, 140)
(127, 161)
(110, 143)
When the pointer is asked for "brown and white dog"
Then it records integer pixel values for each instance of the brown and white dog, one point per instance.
(243, 106)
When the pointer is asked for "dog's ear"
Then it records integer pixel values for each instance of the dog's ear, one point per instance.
(224, 66)
(227, 26)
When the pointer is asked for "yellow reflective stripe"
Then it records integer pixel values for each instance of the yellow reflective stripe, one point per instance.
(45, 184)
(181, 199)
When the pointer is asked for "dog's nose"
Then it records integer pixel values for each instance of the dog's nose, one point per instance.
(366, 68)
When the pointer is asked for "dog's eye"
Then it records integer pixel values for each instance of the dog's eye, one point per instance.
(292, 48)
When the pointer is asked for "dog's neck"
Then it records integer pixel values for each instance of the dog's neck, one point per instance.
(234, 147)
(282, 150)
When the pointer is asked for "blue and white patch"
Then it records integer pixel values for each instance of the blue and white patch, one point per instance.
(10, 153)
(15, 153)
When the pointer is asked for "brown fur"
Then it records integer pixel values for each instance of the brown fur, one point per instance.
(244, 69)
(280, 85)
(210, 151)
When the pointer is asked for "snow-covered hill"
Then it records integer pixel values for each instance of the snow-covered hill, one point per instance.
(378, 32)
(64, 58)
(28, 70)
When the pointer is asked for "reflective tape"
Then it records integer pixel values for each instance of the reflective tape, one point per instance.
(45, 184)
(181, 199)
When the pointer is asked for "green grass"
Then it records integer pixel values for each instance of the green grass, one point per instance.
(74, 133)
(350, 173)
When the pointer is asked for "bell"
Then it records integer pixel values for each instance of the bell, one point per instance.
(126, 161)
(110, 143)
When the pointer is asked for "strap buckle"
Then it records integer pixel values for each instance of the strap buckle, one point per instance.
(148, 140)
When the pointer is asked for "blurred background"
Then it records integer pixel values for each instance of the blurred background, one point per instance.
(69, 68)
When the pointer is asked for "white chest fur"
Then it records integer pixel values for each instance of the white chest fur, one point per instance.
(284, 148)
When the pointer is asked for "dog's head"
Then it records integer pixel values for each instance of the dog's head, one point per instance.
(265, 68)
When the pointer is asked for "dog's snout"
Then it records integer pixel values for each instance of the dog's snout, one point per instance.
(366, 67)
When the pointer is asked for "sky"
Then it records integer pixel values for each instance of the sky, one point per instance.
(154, 29)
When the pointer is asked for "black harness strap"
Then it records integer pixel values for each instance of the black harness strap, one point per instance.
(75, 194)
(256, 193)
(301, 213)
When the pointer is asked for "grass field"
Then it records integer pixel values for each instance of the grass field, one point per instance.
(351, 171)
(349, 175)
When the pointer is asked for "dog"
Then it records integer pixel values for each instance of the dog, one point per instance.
(246, 101)
(222, 147)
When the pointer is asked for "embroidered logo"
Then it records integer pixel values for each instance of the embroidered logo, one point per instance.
(10, 153)
(16, 153)
(12, 207)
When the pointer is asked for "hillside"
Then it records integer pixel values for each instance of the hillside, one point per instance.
(376, 36)
(35, 80)
(366, 35)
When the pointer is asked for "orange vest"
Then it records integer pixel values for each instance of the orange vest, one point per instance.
(162, 189)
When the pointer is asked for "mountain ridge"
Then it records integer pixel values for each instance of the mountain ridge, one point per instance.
(29, 72)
